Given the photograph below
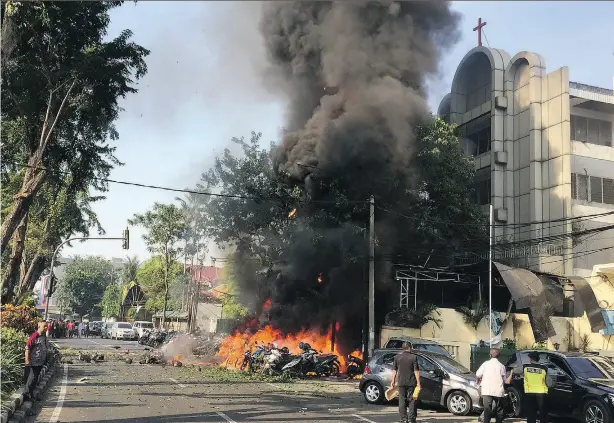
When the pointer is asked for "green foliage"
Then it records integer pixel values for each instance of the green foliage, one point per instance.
(111, 301)
(12, 361)
(20, 318)
(84, 283)
(129, 272)
(151, 280)
(232, 307)
(60, 49)
(474, 313)
(509, 344)
(414, 318)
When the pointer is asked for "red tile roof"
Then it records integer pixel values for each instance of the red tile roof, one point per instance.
(210, 274)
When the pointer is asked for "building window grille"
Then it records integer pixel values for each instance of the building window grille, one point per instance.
(596, 191)
(593, 189)
(608, 191)
(592, 131)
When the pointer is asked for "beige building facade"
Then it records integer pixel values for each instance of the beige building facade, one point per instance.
(544, 158)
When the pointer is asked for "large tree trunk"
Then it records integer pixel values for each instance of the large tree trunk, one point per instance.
(37, 265)
(35, 173)
(11, 272)
(32, 182)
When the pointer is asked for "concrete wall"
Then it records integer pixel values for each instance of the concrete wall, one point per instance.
(457, 336)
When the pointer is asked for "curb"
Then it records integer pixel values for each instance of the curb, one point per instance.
(19, 408)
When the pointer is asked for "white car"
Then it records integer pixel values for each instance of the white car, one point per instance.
(122, 330)
(140, 326)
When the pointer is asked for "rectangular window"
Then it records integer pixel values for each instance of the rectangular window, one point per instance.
(593, 131)
(608, 191)
(582, 187)
(596, 191)
(478, 132)
(574, 187)
(482, 192)
(605, 133)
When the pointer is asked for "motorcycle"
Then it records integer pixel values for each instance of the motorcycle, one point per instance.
(144, 337)
(155, 338)
(310, 362)
(253, 361)
(355, 367)
(276, 359)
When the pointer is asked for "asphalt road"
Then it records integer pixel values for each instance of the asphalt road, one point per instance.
(97, 343)
(115, 392)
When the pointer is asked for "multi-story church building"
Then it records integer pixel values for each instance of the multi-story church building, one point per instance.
(544, 158)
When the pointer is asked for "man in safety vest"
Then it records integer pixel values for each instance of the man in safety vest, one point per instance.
(536, 382)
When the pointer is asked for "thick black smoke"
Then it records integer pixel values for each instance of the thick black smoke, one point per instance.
(354, 73)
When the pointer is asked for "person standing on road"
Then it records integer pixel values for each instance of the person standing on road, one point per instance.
(87, 329)
(406, 376)
(35, 358)
(536, 383)
(491, 377)
(71, 327)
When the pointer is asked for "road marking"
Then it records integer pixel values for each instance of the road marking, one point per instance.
(364, 419)
(181, 385)
(58, 407)
(225, 417)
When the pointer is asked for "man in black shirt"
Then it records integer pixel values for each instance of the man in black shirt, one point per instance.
(406, 376)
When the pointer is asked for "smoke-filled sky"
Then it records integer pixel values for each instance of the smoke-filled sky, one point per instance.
(209, 80)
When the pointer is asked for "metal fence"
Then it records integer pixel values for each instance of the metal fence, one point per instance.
(481, 354)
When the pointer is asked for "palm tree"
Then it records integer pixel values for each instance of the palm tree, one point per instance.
(128, 273)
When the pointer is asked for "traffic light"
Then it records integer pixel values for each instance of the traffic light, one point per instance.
(126, 240)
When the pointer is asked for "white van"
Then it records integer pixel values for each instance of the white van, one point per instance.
(139, 326)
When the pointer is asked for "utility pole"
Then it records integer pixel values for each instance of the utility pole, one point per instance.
(371, 275)
(490, 233)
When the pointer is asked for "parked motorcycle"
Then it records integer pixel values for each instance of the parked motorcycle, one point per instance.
(253, 361)
(355, 367)
(312, 361)
(144, 337)
(276, 359)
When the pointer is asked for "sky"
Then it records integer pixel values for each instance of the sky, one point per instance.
(206, 85)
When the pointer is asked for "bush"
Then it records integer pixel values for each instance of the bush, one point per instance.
(21, 318)
(12, 362)
(410, 318)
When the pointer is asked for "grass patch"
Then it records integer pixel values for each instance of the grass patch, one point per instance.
(220, 374)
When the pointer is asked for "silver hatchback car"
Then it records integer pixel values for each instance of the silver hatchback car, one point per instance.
(444, 381)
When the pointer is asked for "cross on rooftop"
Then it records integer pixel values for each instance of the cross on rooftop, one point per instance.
(479, 30)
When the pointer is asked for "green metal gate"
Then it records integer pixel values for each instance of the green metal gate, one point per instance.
(481, 354)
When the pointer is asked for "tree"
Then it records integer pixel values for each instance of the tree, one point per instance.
(84, 282)
(165, 227)
(60, 89)
(130, 270)
(231, 306)
(111, 301)
(57, 212)
(151, 279)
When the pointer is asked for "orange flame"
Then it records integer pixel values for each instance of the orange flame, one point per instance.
(320, 280)
(234, 346)
(292, 213)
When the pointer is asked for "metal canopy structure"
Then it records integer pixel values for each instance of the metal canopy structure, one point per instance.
(409, 291)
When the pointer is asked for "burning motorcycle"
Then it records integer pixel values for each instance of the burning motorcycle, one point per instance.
(252, 361)
(355, 367)
(276, 359)
(312, 361)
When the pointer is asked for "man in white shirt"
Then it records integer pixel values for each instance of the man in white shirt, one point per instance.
(491, 377)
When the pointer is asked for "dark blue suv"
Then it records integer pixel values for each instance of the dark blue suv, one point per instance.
(583, 385)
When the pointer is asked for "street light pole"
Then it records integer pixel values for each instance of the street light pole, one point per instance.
(49, 291)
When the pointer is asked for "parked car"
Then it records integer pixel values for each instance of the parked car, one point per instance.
(105, 329)
(444, 381)
(140, 325)
(95, 327)
(122, 330)
(396, 342)
(583, 385)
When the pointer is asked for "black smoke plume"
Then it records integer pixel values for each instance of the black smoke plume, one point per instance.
(354, 74)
